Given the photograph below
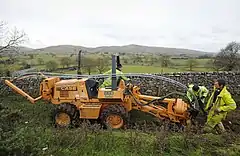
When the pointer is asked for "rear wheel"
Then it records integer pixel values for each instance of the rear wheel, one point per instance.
(66, 115)
(114, 116)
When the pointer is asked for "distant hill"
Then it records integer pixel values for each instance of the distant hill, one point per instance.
(61, 49)
(21, 49)
(25, 49)
(147, 49)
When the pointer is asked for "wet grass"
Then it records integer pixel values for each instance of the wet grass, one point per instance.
(27, 129)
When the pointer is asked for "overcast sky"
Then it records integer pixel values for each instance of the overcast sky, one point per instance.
(206, 25)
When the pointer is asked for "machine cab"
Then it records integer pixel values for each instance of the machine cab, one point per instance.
(109, 94)
(102, 94)
(75, 89)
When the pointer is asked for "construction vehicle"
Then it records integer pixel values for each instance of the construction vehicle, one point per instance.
(83, 99)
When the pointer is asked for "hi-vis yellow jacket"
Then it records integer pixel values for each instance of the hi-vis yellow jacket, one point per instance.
(108, 81)
(224, 103)
(203, 91)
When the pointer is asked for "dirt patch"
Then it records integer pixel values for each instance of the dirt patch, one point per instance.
(232, 121)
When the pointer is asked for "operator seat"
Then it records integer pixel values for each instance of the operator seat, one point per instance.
(120, 84)
(92, 88)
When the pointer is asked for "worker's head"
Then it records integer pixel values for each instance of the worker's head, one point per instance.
(219, 83)
(195, 88)
(119, 67)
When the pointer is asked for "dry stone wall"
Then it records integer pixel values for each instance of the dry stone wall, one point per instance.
(149, 86)
(206, 78)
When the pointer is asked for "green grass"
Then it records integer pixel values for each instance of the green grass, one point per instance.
(145, 69)
(27, 129)
(183, 62)
(149, 69)
(157, 69)
(177, 65)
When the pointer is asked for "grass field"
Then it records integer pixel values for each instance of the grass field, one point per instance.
(27, 129)
(157, 69)
(150, 69)
(176, 65)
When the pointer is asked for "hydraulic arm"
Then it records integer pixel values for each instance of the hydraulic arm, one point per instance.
(20, 91)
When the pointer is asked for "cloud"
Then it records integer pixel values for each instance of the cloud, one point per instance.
(199, 24)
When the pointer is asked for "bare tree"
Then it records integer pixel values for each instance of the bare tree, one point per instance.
(210, 65)
(153, 60)
(228, 58)
(89, 64)
(192, 63)
(102, 65)
(125, 61)
(65, 61)
(10, 39)
(165, 61)
(51, 65)
(40, 61)
(137, 59)
(31, 56)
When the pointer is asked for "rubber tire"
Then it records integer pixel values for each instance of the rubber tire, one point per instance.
(114, 109)
(69, 109)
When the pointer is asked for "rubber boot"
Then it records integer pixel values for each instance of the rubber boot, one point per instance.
(207, 129)
(188, 126)
(220, 128)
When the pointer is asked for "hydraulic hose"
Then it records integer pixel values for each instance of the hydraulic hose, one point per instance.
(150, 102)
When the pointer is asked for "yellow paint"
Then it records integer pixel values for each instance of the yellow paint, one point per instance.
(74, 91)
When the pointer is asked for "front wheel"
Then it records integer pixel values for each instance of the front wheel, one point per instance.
(114, 116)
(66, 115)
